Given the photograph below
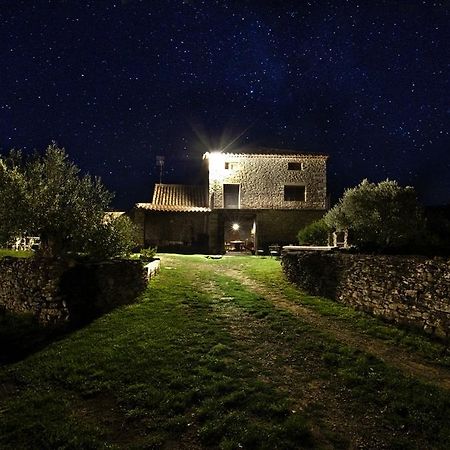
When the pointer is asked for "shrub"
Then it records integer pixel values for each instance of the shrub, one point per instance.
(315, 233)
(147, 254)
(114, 237)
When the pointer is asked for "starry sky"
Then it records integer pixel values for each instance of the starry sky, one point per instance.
(118, 83)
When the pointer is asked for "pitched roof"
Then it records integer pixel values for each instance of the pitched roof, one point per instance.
(177, 197)
(179, 194)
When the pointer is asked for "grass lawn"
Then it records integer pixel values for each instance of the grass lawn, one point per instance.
(202, 361)
(266, 271)
(14, 253)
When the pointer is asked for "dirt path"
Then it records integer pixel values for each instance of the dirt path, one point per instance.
(394, 356)
(285, 353)
(274, 363)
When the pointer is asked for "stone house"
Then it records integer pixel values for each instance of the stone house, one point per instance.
(249, 201)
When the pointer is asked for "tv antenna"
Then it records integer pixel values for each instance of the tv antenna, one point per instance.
(160, 163)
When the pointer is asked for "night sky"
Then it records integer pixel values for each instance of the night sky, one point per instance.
(118, 83)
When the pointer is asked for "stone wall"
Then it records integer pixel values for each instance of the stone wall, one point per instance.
(262, 179)
(409, 290)
(57, 292)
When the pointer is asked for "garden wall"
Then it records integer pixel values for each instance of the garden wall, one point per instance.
(408, 290)
(58, 292)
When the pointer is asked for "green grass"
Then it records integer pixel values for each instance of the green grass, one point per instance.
(15, 254)
(202, 361)
(166, 362)
(268, 272)
(406, 403)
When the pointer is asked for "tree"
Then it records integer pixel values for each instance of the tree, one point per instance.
(379, 216)
(13, 197)
(113, 237)
(315, 233)
(46, 196)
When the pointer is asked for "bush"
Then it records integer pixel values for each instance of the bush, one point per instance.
(114, 237)
(315, 233)
(148, 254)
(383, 216)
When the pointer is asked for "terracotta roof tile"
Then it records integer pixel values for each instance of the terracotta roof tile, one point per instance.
(177, 197)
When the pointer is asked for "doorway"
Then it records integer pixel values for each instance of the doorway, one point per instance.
(240, 234)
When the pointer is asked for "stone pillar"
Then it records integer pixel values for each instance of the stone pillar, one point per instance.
(216, 237)
(139, 221)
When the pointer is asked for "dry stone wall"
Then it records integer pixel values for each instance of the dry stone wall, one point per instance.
(57, 292)
(262, 179)
(409, 290)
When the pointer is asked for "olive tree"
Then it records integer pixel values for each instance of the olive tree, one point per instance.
(113, 237)
(46, 195)
(379, 216)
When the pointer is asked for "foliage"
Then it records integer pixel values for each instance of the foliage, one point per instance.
(46, 196)
(14, 198)
(315, 233)
(147, 254)
(379, 216)
(113, 237)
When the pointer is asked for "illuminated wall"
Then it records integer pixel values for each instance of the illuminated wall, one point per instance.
(262, 179)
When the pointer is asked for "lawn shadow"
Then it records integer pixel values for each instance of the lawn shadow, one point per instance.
(21, 335)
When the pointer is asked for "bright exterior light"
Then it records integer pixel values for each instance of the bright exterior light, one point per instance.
(216, 165)
(235, 226)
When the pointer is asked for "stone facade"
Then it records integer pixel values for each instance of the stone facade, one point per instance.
(58, 292)
(269, 194)
(409, 290)
(262, 178)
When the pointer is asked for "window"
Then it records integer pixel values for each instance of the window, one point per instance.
(294, 193)
(295, 166)
(231, 196)
(231, 165)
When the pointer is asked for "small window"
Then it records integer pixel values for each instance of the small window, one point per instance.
(231, 165)
(295, 166)
(293, 193)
